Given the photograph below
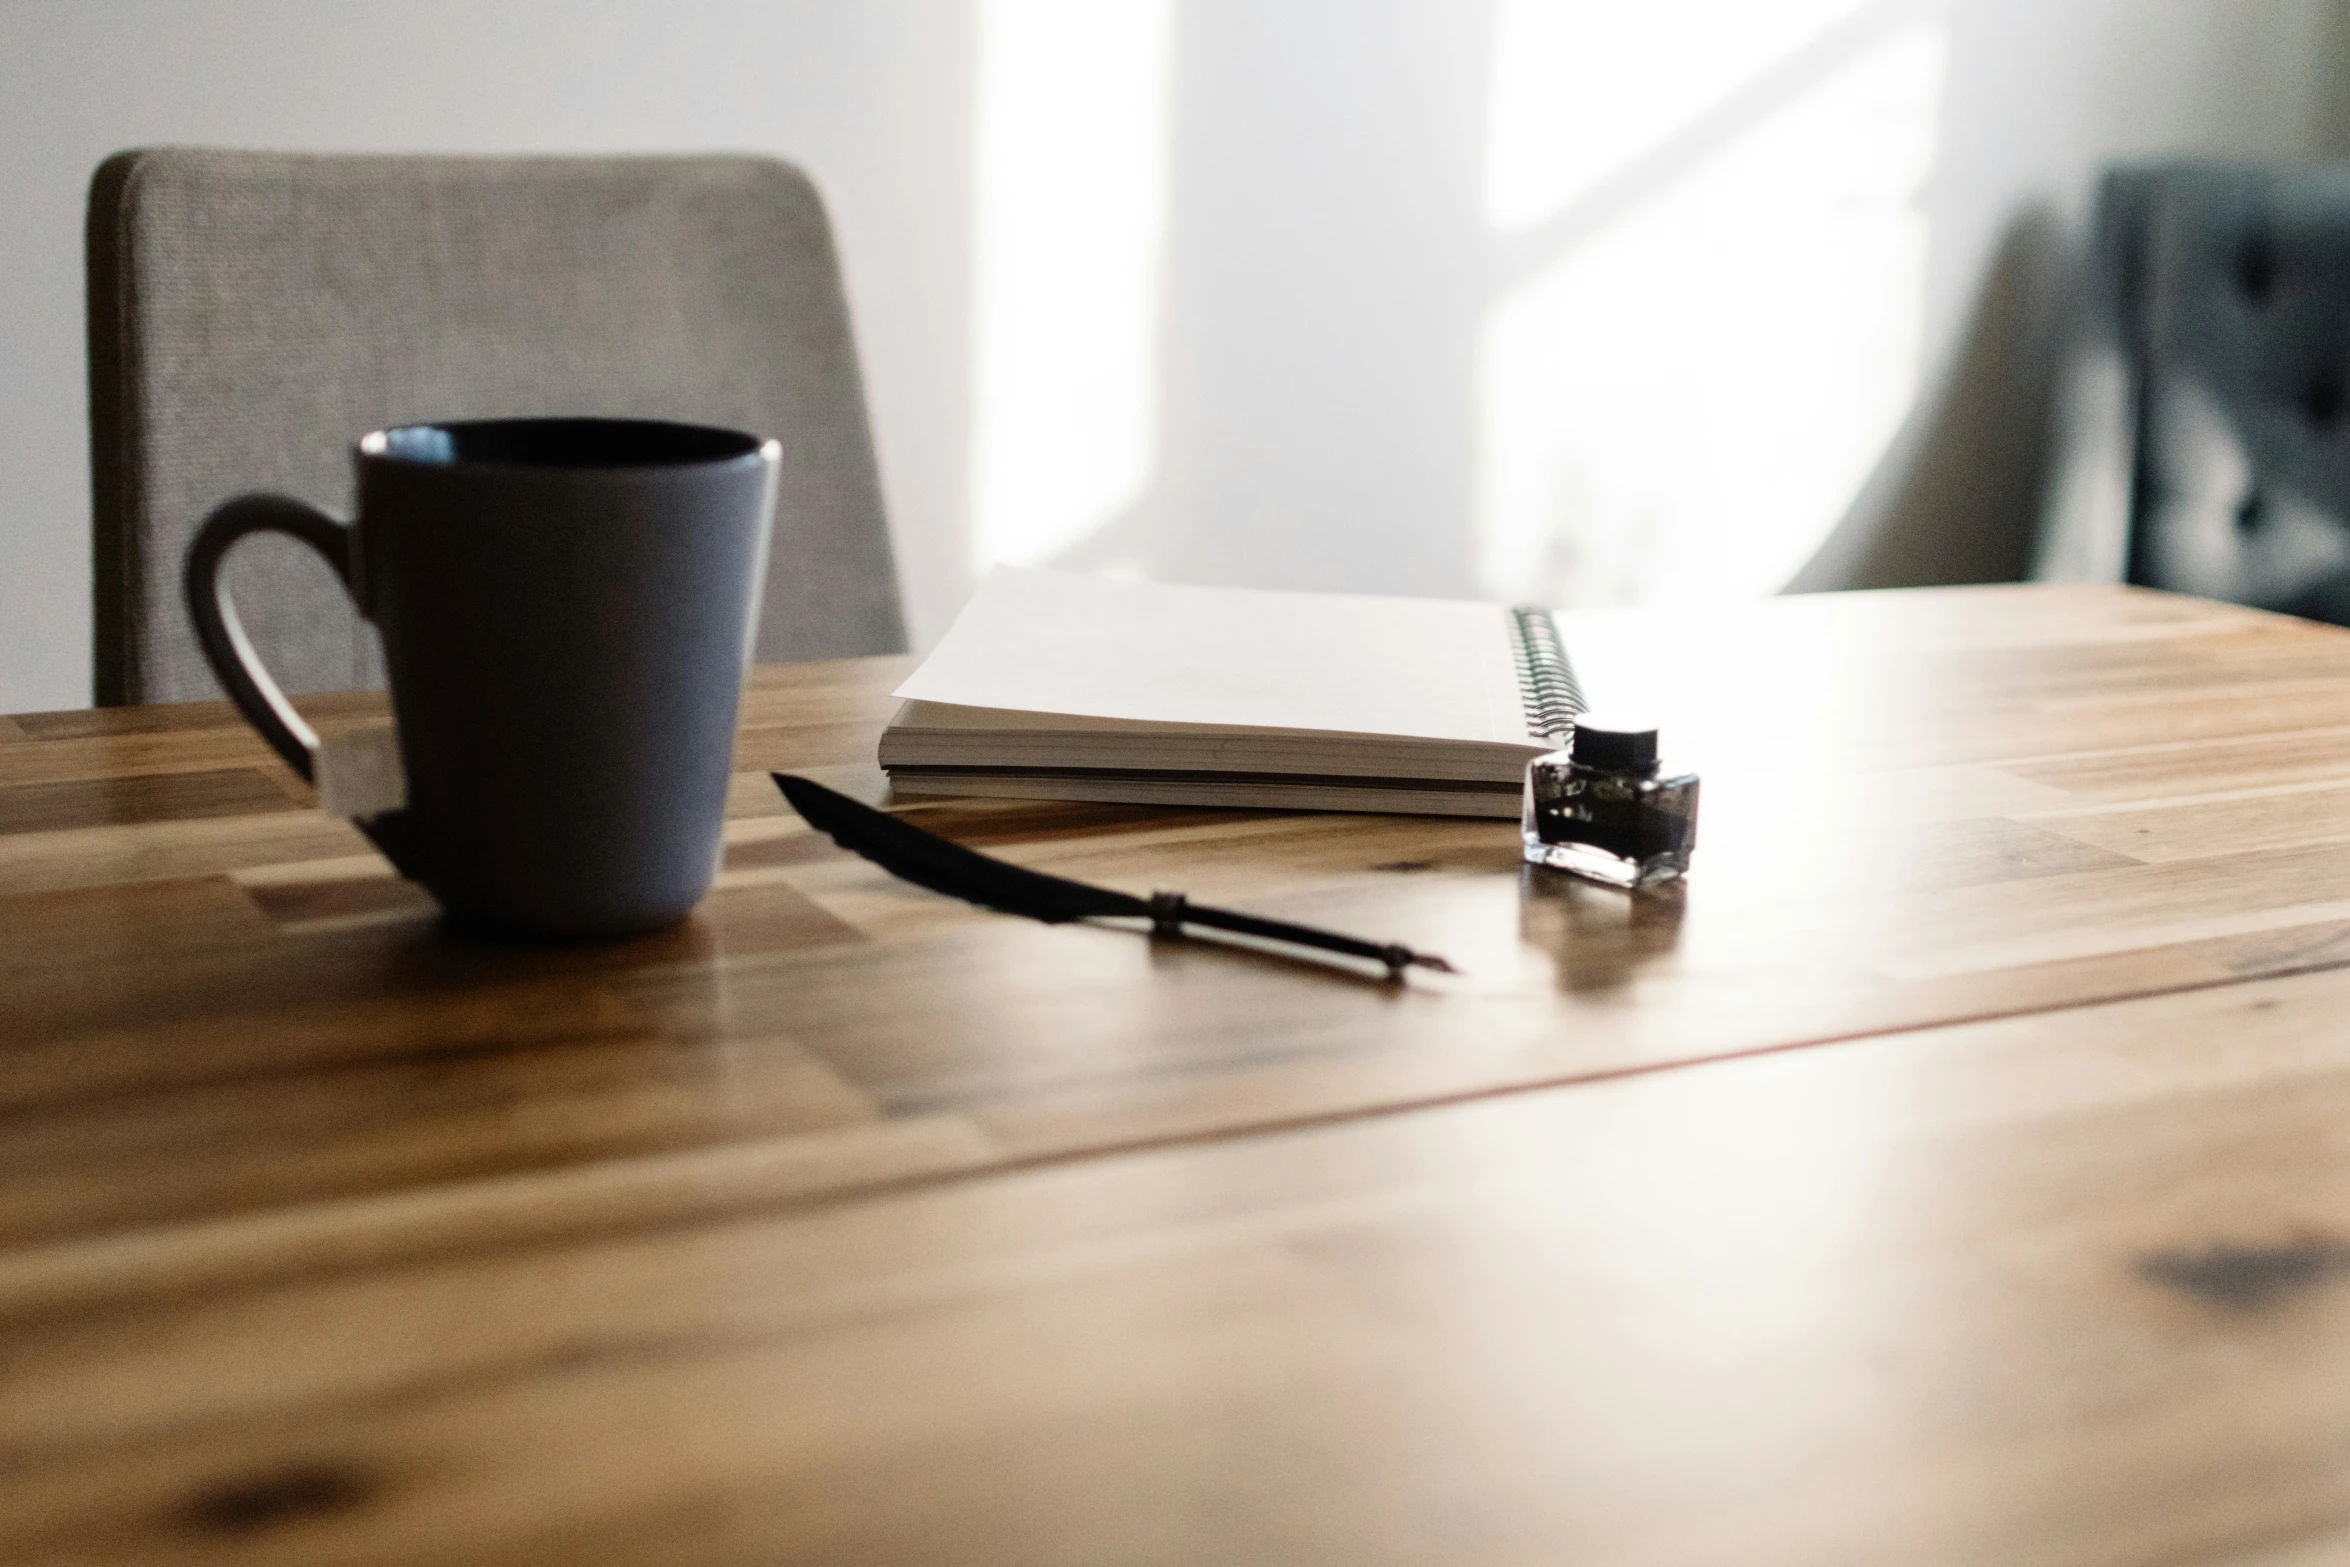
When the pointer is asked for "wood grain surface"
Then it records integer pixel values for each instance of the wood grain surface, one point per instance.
(842, 1222)
(2072, 1288)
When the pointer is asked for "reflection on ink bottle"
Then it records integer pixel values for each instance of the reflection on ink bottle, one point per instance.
(1601, 809)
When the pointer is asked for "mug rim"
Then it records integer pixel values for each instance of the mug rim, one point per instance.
(719, 445)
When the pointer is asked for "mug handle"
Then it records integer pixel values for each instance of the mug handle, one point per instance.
(222, 637)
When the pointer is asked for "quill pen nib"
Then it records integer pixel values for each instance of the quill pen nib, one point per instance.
(1399, 958)
(1170, 912)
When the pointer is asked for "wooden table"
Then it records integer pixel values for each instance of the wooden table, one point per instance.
(842, 1223)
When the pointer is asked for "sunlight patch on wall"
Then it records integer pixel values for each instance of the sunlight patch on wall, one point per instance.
(1681, 405)
(1580, 89)
(1071, 195)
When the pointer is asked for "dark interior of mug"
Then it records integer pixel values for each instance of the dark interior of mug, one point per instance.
(565, 443)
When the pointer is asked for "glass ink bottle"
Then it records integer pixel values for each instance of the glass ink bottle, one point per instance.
(1601, 808)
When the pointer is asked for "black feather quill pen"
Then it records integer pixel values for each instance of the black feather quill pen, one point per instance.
(928, 860)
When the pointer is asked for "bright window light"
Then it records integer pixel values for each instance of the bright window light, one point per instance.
(1683, 402)
(1071, 214)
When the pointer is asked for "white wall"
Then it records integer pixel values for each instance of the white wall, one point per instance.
(1320, 265)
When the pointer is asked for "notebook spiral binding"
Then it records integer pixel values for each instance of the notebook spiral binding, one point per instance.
(1546, 681)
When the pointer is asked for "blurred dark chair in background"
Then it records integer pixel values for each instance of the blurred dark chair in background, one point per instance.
(2203, 430)
(252, 314)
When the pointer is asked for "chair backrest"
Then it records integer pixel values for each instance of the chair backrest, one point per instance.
(252, 313)
(2226, 289)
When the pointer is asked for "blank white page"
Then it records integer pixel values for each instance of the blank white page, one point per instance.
(1056, 642)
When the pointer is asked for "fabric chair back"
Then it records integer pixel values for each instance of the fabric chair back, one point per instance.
(251, 314)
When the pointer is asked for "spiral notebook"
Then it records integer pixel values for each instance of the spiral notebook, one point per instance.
(1056, 686)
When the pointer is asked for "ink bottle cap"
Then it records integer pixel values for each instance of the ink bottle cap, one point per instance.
(1619, 745)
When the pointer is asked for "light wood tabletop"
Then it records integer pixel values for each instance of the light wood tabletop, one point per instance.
(846, 1223)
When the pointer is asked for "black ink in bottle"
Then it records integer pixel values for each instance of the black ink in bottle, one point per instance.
(1602, 808)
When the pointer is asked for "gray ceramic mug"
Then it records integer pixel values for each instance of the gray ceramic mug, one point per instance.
(566, 608)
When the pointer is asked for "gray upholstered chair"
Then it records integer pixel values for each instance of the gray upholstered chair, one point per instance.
(2205, 431)
(253, 313)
